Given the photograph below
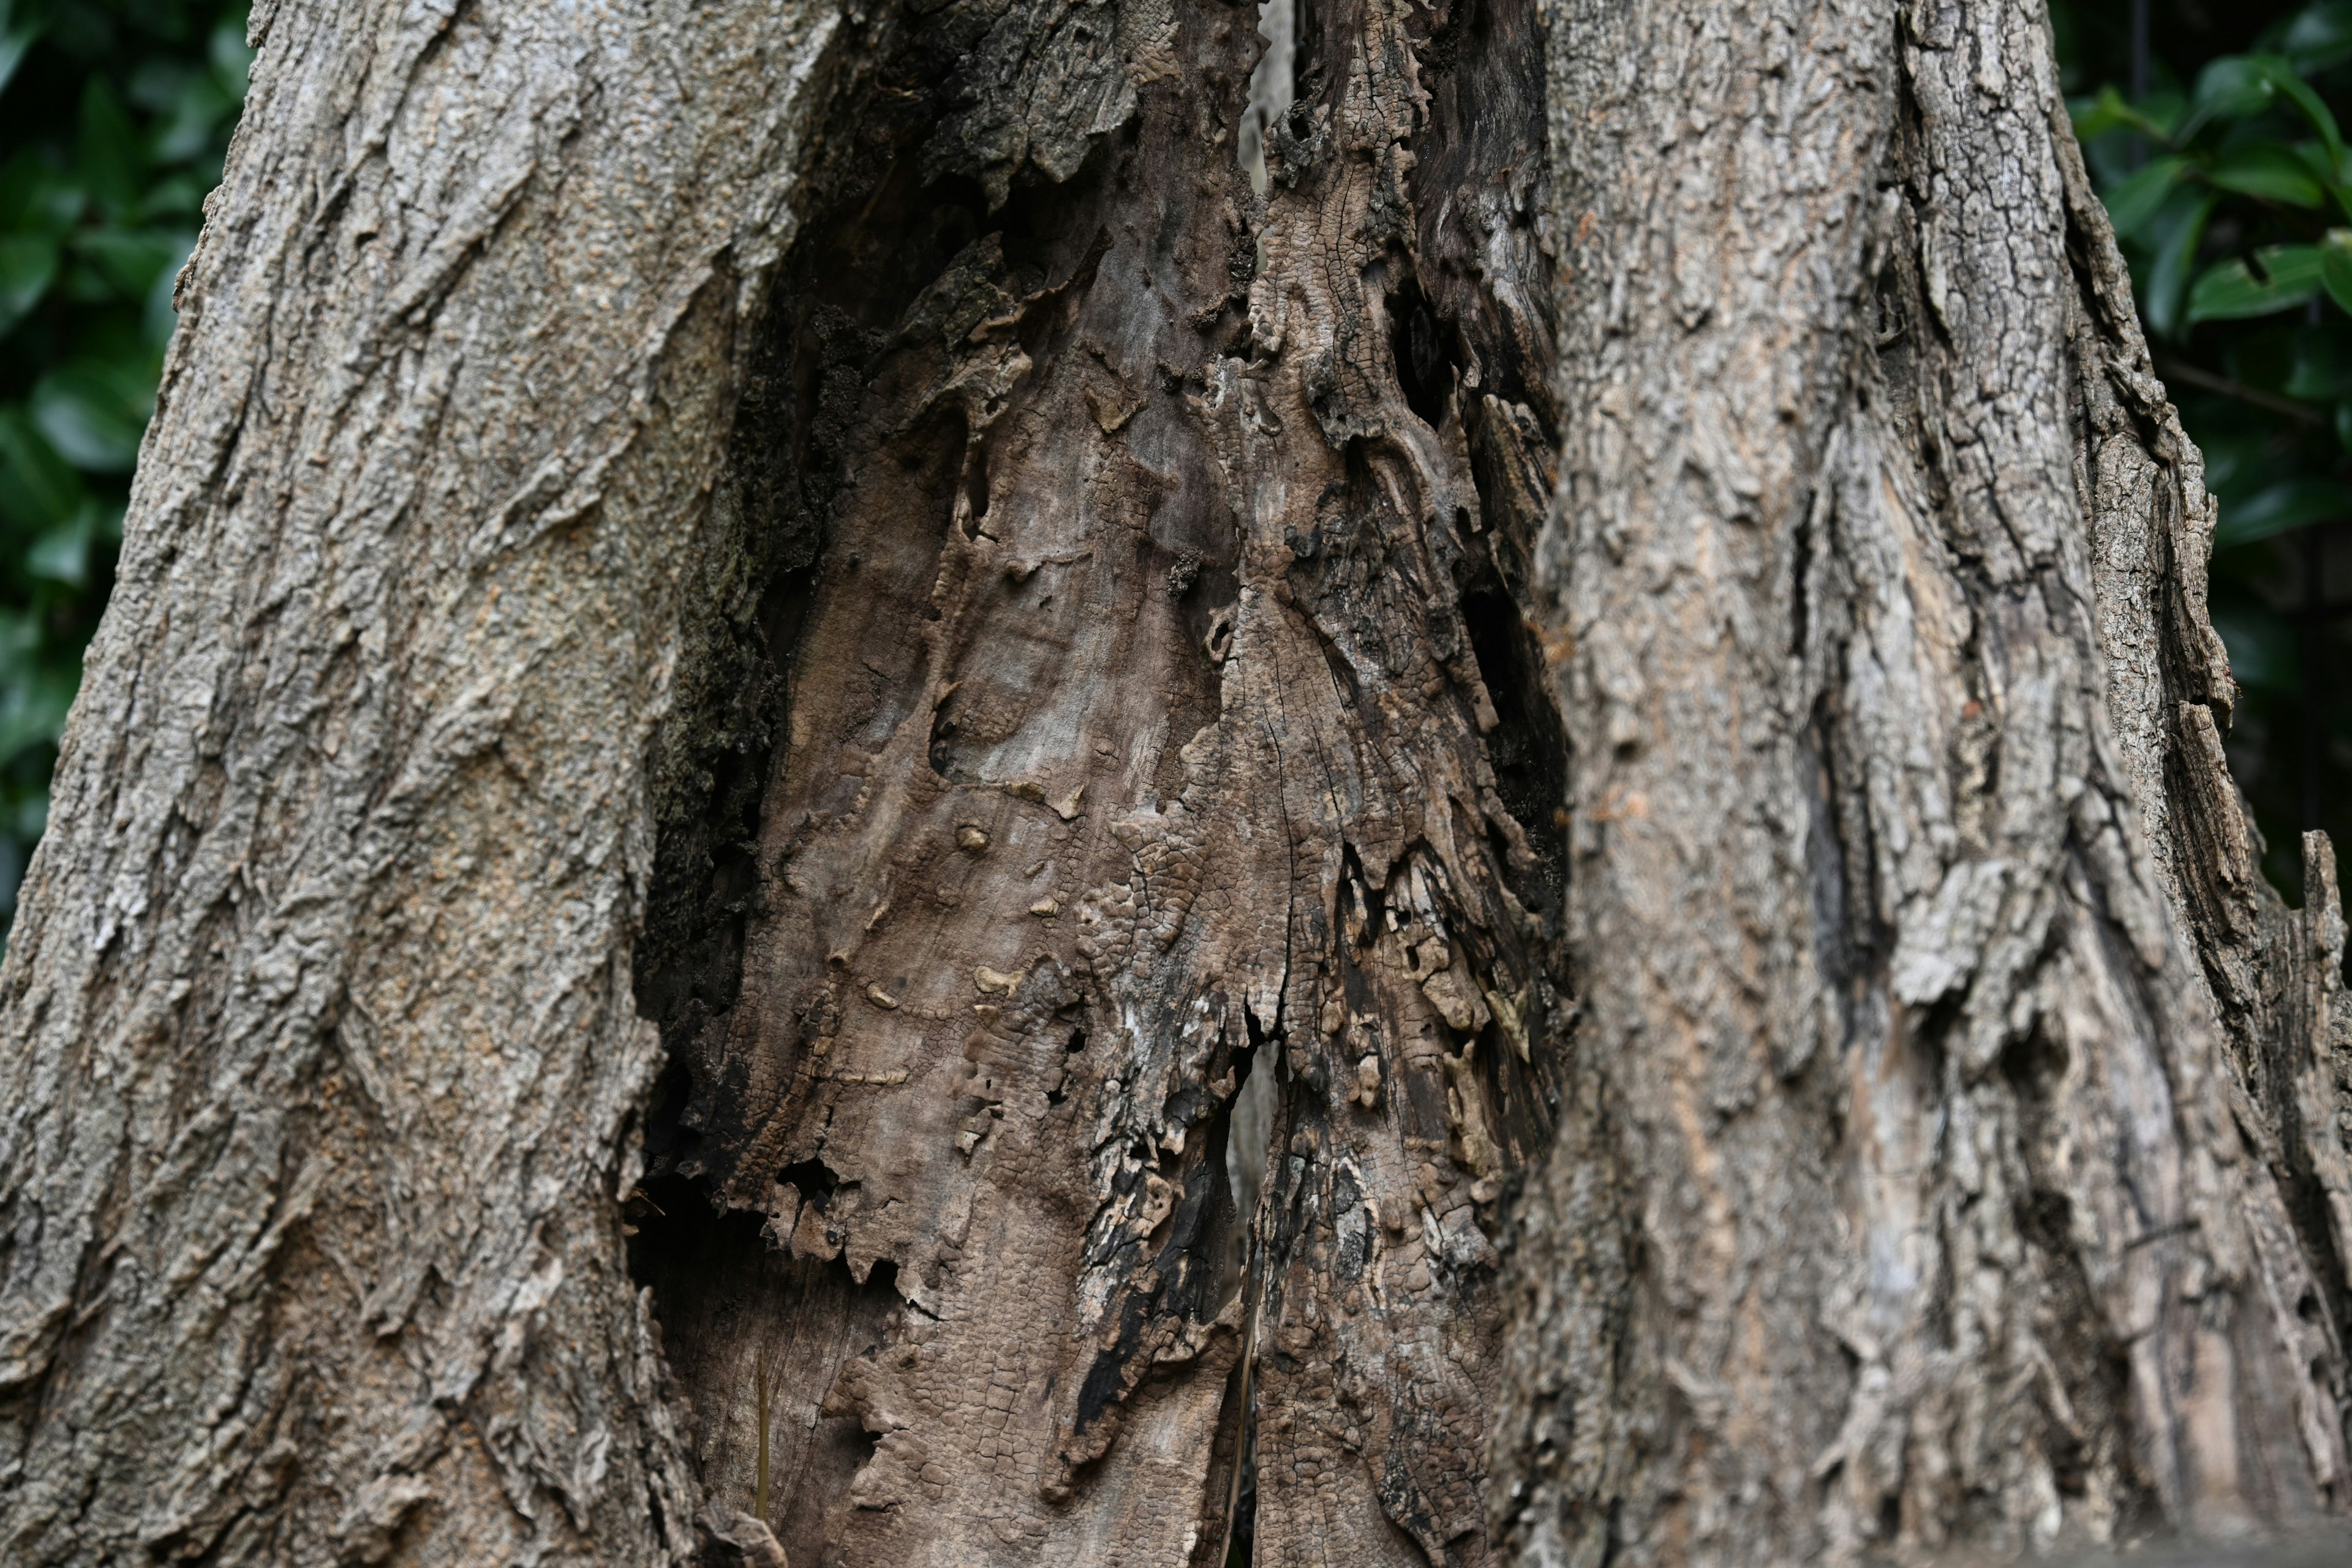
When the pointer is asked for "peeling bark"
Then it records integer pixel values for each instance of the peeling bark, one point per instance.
(1622, 642)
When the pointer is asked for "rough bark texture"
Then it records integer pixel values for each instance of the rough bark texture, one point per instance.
(1917, 1193)
(319, 1041)
(859, 540)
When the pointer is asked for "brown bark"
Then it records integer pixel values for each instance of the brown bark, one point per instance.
(863, 535)
(1130, 736)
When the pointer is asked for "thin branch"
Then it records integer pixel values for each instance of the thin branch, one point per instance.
(2173, 370)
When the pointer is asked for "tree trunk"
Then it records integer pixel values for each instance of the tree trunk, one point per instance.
(1954, 1155)
(320, 1058)
(858, 542)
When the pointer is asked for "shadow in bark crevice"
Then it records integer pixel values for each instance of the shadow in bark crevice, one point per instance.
(1425, 352)
(1245, 1131)
(1528, 748)
(725, 1298)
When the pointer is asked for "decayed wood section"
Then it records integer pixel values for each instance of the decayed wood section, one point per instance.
(1627, 635)
(1146, 705)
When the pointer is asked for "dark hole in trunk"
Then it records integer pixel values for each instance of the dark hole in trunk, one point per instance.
(1529, 749)
(725, 1300)
(1424, 350)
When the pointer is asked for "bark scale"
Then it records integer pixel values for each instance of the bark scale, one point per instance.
(856, 540)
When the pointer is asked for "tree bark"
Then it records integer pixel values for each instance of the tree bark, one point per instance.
(320, 1053)
(1954, 1161)
(765, 655)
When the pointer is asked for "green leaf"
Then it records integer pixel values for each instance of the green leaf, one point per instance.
(15, 38)
(232, 58)
(2335, 274)
(20, 644)
(2269, 170)
(2297, 91)
(189, 100)
(2132, 204)
(62, 554)
(2321, 367)
(29, 263)
(93, 412)
(108, 155)
(2233, 88)
(37, 199)
(2239, 87)
(37, 682)
(2288, 276)
(2260, 645)
(2281, 508)
(158, 315)
(2314, 158)
(38, 489)
(2110, 111)
(129, 259)
(2319, 37)
(2172, 236)
(178, 195)
(2234, 457)
(33, 709)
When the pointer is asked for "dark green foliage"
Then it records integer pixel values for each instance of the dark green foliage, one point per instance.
(114, 115)
(2231, 188)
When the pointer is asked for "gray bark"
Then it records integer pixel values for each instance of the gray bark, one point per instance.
(1956, 1160)
(777, 670)
(319, 1047)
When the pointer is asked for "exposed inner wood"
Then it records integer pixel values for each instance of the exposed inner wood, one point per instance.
(1141, 701)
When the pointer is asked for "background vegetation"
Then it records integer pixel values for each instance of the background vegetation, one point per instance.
(2219, 149)
(2225, 169)
(114, 116)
